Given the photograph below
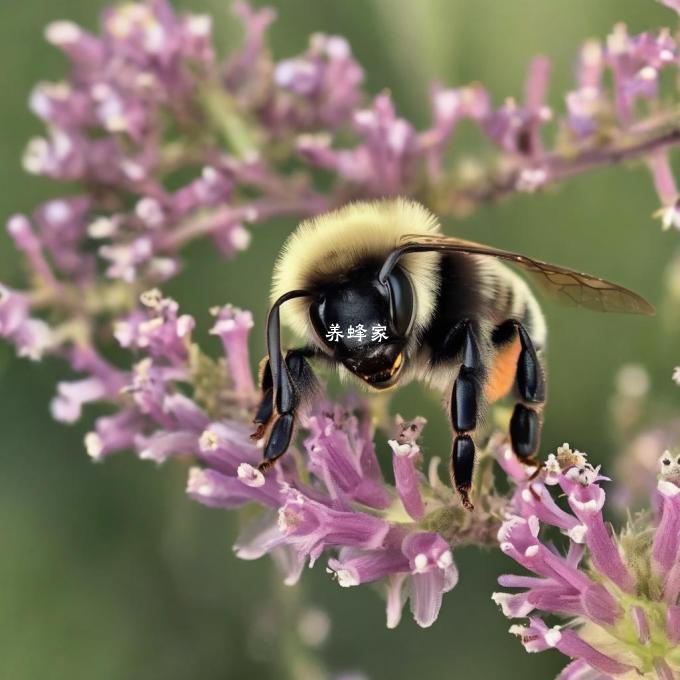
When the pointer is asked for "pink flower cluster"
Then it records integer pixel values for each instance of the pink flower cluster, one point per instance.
(620, 592)
(328, 496)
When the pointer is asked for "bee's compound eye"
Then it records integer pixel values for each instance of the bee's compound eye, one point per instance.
(401, 300)
(317, 315)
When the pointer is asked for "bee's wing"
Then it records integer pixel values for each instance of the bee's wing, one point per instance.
(563, 285)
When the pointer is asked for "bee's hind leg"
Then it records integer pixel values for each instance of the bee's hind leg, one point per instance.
(467, 403)
(296, 384)
(525, 424)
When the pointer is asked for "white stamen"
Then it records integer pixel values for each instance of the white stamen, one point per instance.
(62, 145)
(57, 212)
(240, 237)
(210, 175)
(185, 325)
(62, 33)
(534, 525)
(17, 227)
(208, 441)
(150, 211)
(148, 328)
(648, 73)
(94, 445)
(553, 636)
(199, 484)
(670, 217)
(251, 214)
(592, 53)
(445, 560)
(133, 171)
(250, 475)
(531, 179)
(584, 506)
(102, 227)
(578, 533)
(101, 91)
(152, 298)
(346, 578)
(446, 103)
(145, 80)
(365, 117)
(162, 267)
(398, 135)
(36, 156)
(667, 488)
(154, 38)
(401, 450)
(503, 601)
(531, 551)
(39, 102)
(122, 331)
(199, 25)
(420, 562)
(337, 47)
(584, 474)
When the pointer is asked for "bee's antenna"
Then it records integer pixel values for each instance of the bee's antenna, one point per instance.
(274, 334)
(394, 256)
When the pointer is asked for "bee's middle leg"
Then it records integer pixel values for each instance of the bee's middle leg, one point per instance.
(467, 402)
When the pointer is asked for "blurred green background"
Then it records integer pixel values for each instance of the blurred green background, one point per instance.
(108, 571)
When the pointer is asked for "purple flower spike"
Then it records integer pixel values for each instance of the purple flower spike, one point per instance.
(616, 597)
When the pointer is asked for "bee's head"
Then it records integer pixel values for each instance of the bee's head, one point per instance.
(364, 323)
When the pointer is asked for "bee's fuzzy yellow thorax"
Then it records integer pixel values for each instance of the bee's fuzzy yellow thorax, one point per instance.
(330, 244)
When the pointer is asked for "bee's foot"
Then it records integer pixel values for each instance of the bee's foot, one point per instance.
(259, 432)
(265, 465)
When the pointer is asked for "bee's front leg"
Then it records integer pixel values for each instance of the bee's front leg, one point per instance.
(266, 408)
(467, 404)
(296, 383)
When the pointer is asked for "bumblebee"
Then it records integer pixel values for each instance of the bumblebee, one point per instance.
(376, 290)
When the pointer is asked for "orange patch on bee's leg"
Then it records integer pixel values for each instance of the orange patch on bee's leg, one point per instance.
(502, 376)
